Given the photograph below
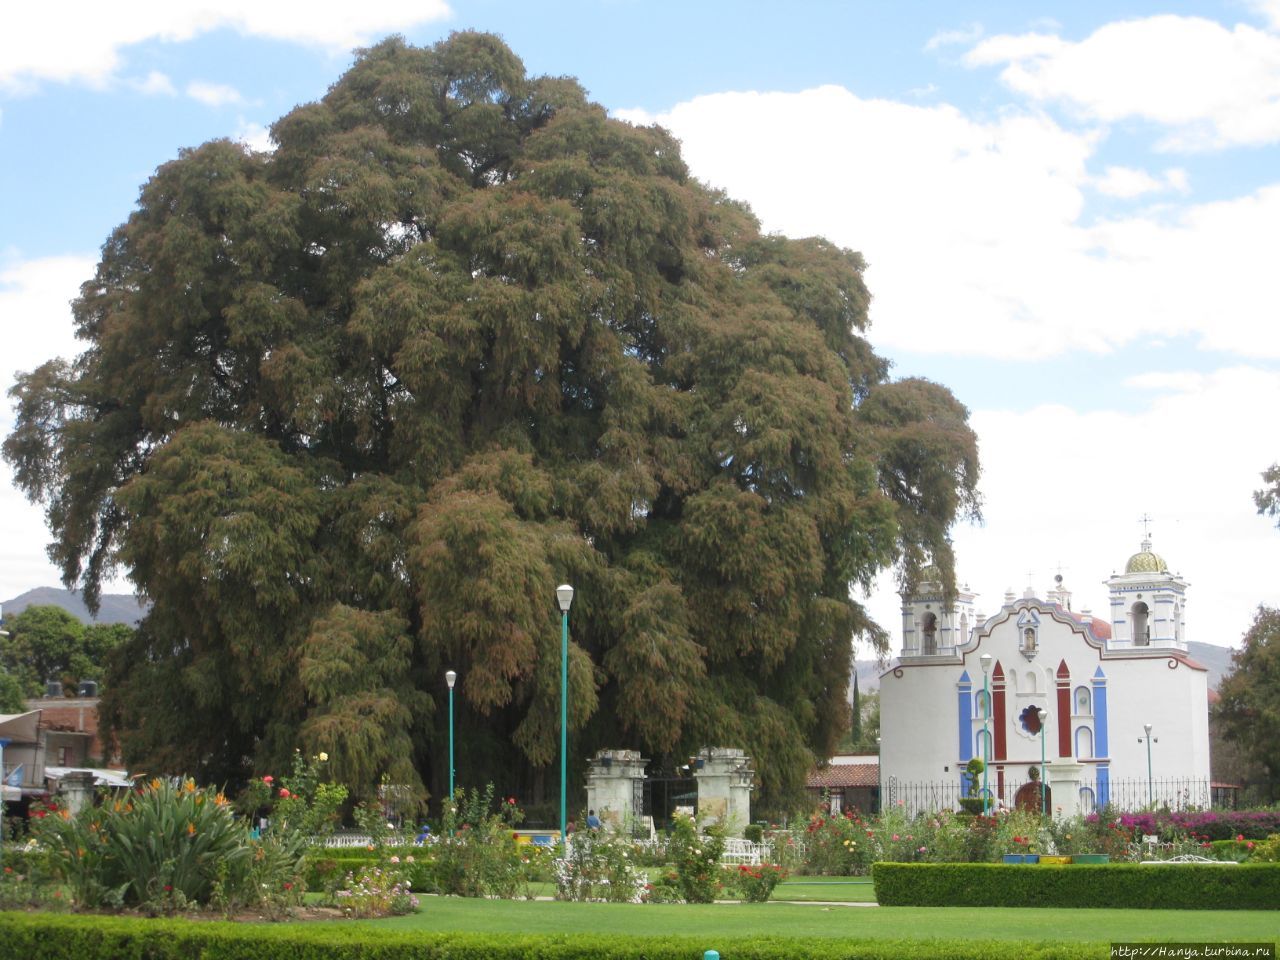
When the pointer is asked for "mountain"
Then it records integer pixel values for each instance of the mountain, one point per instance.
(1217, 659)
(115, 607)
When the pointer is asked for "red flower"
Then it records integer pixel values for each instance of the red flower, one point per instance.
(8, 869)
(285, 793)
(288, 885)
(168, 889)
(268, 779)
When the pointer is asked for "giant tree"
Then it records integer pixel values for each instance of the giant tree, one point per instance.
(1248, 710)
(349, 410)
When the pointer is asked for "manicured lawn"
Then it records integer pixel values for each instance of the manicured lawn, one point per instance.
(726, 921)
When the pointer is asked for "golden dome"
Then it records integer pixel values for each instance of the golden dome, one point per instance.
(1146, 562)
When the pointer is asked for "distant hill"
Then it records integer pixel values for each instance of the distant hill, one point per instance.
(115, 607)
(1216, 658)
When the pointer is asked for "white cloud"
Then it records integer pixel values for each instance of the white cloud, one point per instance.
(255, 136)
(1211, 85)
(213, 94)
(154, 84)
(973, 231)
(963, 37)
(84, 44)
(1065, 488)
(1126, 182)
(1270, 10)
(35, 312)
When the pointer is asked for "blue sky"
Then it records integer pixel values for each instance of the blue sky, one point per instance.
(1071, 214)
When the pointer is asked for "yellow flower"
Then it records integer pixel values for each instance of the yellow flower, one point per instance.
(189, 786)
(220, 799)
(323, 756)
(155, 783)
(191, 829)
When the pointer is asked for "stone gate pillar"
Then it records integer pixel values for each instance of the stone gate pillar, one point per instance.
(724, 778)
(77, 788)
(615, 787)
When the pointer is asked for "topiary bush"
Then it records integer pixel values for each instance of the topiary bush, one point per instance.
(1142, 886)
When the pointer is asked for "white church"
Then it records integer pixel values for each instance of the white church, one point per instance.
(1114, 705)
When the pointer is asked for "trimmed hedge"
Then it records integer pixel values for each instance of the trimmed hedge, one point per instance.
(68, 937)
(1180, 886)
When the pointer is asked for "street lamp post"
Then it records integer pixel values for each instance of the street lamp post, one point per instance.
(1042, 714)
(4, 742)
(450, 678)
(879, 778)
(1147, 739)
(564, 596)
(985, 659)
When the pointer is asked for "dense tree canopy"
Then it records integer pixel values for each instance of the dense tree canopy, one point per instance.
(1249, 708)
(47, 643)
(349, 411)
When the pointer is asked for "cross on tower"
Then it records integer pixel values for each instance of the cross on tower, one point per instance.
(1145, 520)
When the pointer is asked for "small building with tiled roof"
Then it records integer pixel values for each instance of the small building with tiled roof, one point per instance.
(1113, 709)
(847, 781)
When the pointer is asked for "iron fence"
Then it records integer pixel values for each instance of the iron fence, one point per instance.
(1177, 793)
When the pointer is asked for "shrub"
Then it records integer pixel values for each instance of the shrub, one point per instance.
(376, 891)
(695, 859)
(1172, 886)
(164, 847)
(477, 854)
(837, 845)
(753, 832)
(106, 938)
(598, 866)
(755, 883)
(1205, 825)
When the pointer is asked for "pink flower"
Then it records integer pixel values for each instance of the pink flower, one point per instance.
(895, 836)
(285, 793)
(268, 779)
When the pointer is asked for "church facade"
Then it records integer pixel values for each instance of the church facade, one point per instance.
(1111, 705)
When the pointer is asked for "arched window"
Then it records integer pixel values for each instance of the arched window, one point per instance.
(1138, 616)
(964, 628)
(929, 632)
(982, 745)
(1084, 702)
(1088, 802)
(1084, 743)
(980, 705)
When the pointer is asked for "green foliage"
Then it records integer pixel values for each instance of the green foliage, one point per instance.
(48, 643)
(165, 847)
(104, 938)
(1268, 498)
(1248, 710)
(599, 866)
(695, 859)
(476, 853)
(838, 845)
(350, 410)
(755, 884)
(13, 694)
(1182, 886)
(377, 890)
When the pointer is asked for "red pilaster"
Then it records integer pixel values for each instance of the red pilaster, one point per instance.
(1064, 710)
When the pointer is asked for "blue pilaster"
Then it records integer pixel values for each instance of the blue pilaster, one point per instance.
(964, 726)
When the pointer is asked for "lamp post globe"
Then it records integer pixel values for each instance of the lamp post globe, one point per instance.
(564, 597)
